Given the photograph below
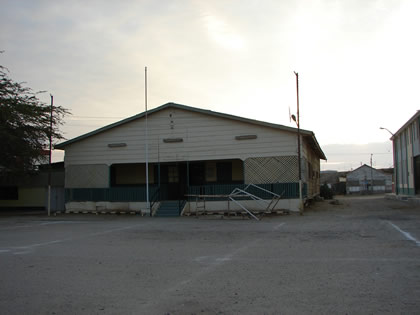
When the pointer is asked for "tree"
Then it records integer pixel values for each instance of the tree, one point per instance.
(25, 126)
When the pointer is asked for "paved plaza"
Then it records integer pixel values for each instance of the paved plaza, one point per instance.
(359, 257)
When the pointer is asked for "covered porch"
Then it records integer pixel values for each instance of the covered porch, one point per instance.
(176, 185)
(172, 181)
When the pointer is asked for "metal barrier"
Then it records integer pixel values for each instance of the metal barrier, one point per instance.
(237, 192)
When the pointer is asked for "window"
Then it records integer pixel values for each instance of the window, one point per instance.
(173, 175)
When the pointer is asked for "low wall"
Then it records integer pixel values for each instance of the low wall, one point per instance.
(105, 206)
(225, 205)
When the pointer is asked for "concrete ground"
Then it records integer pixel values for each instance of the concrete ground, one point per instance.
(359, 257)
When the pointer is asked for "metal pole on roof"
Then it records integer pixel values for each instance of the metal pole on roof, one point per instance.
(299, 153)
(298, 123)
(147, 144)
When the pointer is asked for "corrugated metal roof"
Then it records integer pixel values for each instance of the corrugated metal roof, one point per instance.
(305, 133)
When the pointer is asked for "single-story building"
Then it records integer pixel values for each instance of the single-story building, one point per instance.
(30, 191)
(190, 152)
(406, 146)
(368, 180)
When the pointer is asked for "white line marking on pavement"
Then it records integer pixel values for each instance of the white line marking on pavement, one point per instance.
(38, 223)
(26, 249)
(229, 256)
(278, 226)
(406, 234)
(213, 262)
(61, 222)
(17, 227)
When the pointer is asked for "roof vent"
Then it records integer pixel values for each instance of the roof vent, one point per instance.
(117, 145)
(246, 137)
(173, 140)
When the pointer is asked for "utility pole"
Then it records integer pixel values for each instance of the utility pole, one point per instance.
(299, 153)
(371, 172)
(49, 156)
(147, 144)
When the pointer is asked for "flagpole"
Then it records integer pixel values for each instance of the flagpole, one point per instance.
(49, 157)
(147, 144)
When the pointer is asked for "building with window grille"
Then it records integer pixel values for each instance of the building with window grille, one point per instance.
(368, 180)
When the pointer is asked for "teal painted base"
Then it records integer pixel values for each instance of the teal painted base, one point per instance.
(406, 191)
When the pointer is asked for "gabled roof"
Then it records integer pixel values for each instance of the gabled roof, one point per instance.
(309, 135)
(369, 167)
(415, 116)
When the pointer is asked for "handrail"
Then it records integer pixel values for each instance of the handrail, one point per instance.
(181, 203)
(155, 198)
(253, 197)
(243, 193)
(272, 203)
(249, 212)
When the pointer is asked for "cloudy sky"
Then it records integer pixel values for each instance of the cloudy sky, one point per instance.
(358, 63)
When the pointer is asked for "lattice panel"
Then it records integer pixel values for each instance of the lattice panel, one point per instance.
(279, 169)
(87, 176)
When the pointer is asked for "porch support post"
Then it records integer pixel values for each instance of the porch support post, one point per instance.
(188, 175)
(159, 177)
(243, 171)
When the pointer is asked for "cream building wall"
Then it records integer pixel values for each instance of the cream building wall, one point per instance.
(268, 153)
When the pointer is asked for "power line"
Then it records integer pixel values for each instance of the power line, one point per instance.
(97, 117)
(362, 153)
(85, 125)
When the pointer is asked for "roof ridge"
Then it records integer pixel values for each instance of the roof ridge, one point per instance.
(197, 110)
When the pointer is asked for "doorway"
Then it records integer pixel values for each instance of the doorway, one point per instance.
(417, 174)
(173, 181)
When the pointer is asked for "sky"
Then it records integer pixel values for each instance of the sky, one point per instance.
(358, 63)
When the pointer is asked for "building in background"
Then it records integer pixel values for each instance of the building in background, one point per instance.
(406, 146)
(367, 180)
(29, 192)
(190, 151)
(335, 180)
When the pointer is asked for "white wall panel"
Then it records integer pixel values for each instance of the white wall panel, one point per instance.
(204, 138)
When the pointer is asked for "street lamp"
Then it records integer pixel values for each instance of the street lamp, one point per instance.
(382, 128)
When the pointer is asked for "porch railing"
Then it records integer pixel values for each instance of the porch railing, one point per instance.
(112, 194)
(286, 190)
(138, 194)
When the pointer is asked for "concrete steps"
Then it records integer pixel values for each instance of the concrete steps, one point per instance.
(169, 208)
